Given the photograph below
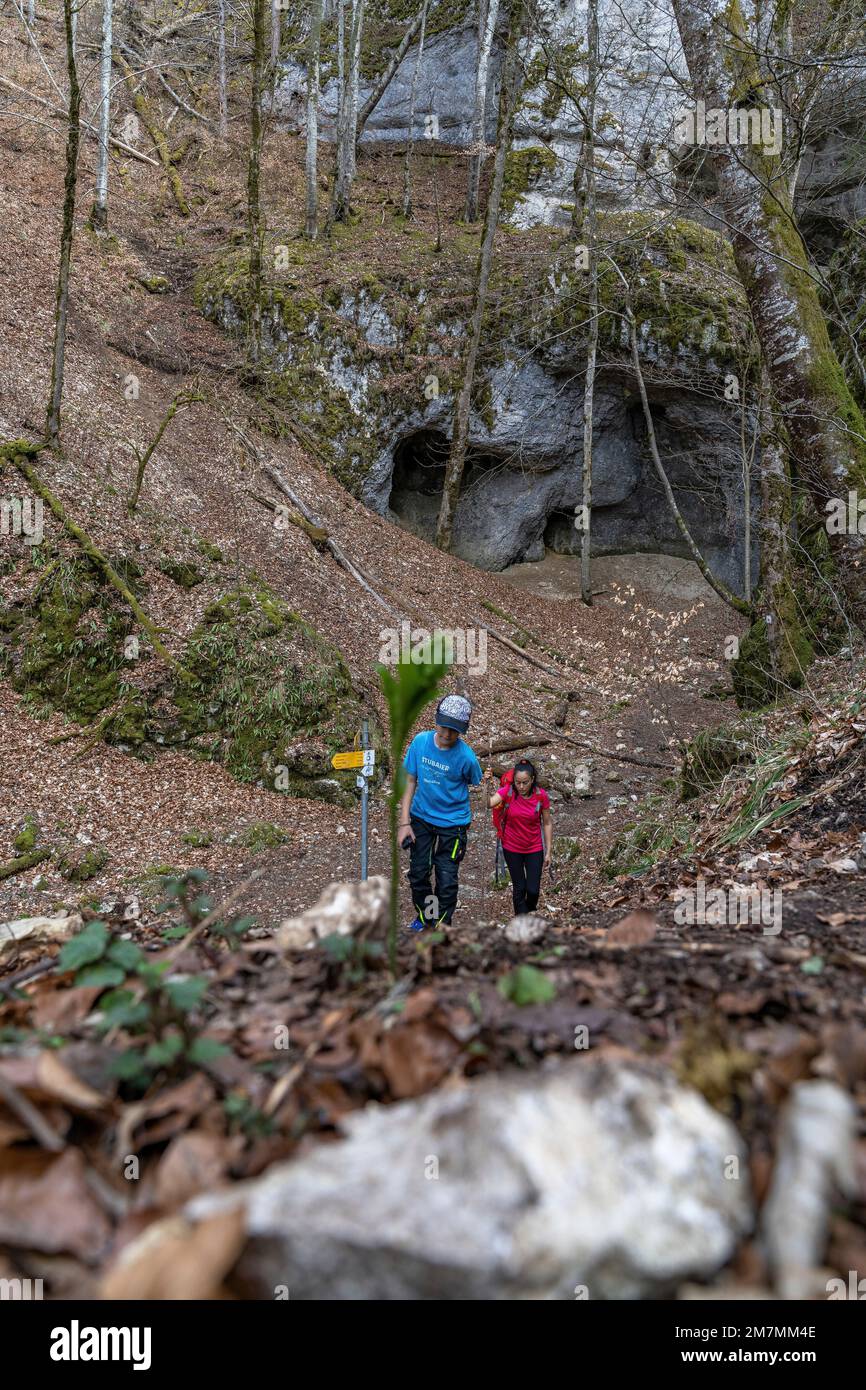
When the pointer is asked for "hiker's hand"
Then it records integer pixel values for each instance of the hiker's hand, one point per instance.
(408, 834)
(487, 774)
(547, 860)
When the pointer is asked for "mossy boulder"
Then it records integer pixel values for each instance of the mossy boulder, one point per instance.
(261, 677)
(79, 866)
(710, 756)
(266, 694)
(182, 573)
(66, 643)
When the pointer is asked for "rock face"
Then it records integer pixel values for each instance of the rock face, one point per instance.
(523, 480)
(640, 97)
(599, 1180)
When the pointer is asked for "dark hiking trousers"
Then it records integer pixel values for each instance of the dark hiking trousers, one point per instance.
(436, 851)
(525, 870)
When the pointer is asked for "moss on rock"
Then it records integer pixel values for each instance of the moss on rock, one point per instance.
(260, 677)
(710, 756)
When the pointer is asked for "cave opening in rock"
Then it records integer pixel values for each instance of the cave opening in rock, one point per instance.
(419, 476)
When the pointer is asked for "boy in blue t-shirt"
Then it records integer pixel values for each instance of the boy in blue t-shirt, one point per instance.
(434, 812)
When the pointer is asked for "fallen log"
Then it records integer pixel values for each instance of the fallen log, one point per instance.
(24, 861)
(521, 651)
(511, 745)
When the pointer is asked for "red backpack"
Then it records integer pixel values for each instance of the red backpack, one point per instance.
(499, 812)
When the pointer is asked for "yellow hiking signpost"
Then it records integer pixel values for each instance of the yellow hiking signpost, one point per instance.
(364, 759)
(343, 760)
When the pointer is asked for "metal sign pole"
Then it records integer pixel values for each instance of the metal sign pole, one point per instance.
(365, 743)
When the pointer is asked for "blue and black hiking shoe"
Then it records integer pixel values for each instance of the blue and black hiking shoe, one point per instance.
(417, 925)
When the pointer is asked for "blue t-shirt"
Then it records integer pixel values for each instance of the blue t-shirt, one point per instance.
(444, 777)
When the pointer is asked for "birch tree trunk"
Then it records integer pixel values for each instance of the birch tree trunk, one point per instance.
(221, 73)
(511, 82)
(348, 120)
(99, 211)
(487, 17)
(588, 236)
(311, 229)
(275, 33)
(254, 205)
(410, 144)
(61, 311)
(826, 429)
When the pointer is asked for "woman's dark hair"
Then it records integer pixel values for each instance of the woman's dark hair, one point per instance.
(526, 766)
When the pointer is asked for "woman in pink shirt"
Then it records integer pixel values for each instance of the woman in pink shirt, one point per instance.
(527, 833)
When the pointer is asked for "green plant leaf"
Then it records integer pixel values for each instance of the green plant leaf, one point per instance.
(130, 1066)
(526, 985)
(88, 946)
(102, 974)
(125, 954)
(813, 966)
(338, 947)
(165, 1050)
(204, 1050)
(187, 994)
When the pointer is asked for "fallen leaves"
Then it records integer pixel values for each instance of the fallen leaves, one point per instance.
(46, 1204)
(637, 929)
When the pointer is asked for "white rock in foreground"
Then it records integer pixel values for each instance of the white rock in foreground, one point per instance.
(525, 929)
(815, 1160)
(600, 1174)
(342, 910)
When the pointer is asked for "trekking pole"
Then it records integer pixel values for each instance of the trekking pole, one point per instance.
(365, 743)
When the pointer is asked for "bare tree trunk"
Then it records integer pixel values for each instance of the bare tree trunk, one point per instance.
(747, 456)
(487, 17)
(777, 649)
(221, 78)
(348, 121)
(410, 143)
(275, 33)
(354, 84)
(588, 235)
(254, 206)
(385, 78)
(311, 229)
(99, 211)
(61, 311)
(342, 109)
(826, 429)
(511, 81)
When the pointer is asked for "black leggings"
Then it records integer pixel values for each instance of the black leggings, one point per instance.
(525, 870)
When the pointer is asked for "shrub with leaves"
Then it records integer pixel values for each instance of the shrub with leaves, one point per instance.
(157, 1009)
